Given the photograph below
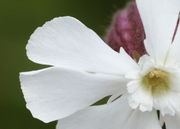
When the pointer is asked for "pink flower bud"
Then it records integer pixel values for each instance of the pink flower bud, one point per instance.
(127, 31)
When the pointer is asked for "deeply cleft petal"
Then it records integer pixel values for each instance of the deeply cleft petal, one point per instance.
(110, 116)
(54, 93)
(66, 42)
(159, 19)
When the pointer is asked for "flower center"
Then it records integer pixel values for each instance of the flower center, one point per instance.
(157, 82)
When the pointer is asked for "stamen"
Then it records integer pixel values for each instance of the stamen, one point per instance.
(157, 82)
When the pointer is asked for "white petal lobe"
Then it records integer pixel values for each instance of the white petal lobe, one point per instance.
(54, 93)
(66, 42)
(116, 115)
(159, 19)
(174, 54)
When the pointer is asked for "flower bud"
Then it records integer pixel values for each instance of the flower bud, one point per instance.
(127, 31)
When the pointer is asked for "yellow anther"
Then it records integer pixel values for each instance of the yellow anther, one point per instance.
(157, 82)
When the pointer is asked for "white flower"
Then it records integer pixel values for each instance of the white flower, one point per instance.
(84, 70)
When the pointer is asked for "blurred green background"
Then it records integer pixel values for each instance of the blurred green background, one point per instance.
(18, 19)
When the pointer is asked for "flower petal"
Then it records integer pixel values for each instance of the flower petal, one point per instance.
(159, 19)
(177, 31)
(139, 98)
(168, 104)
(66, 42)
(172, 122)
(132, 86)
(54, 93)
(174, 53)
(110, 116)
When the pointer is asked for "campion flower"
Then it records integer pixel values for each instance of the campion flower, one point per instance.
(127, 31)
(83, 70)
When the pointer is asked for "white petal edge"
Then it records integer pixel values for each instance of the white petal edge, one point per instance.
(54, 93)
(159, 19)
(172, 122)
(110, 116)
(173, 58)
(66, 42)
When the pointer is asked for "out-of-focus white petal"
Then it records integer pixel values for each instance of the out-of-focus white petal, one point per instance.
(159, 19)
(115, 115)
(66, 42)
(172, 122)
(173, 58)
(54, 93)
